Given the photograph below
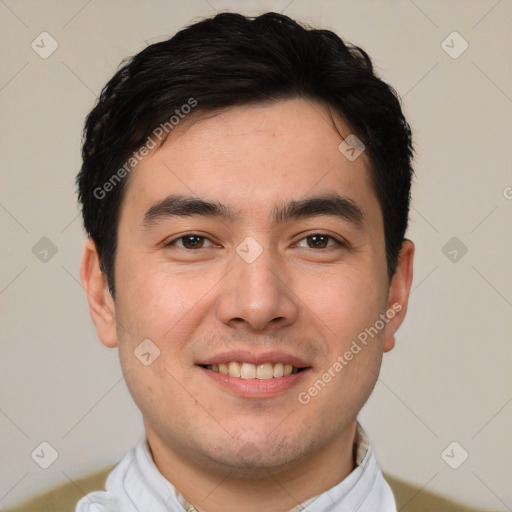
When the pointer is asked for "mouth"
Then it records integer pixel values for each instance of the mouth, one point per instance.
(243, 370)
(250, 375)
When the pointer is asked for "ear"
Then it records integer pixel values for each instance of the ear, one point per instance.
(399, 290)
(101, 303)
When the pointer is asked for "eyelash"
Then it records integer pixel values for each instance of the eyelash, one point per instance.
(182, 237)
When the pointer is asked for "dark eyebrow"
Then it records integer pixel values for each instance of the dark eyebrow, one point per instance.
(185, 206)
(188, 206)
(327, 204)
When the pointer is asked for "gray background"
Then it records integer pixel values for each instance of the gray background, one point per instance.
(448, 379)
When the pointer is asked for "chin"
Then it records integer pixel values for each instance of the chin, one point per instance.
(251, 459)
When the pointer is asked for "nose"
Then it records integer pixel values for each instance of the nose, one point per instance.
(255, 294)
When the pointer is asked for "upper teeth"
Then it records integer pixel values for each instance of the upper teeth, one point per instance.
(253, 371)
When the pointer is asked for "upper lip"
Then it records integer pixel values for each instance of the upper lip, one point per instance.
(247, 356)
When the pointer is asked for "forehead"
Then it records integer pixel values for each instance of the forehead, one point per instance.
(252, 157)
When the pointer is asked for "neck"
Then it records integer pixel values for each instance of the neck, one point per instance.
(277, 489)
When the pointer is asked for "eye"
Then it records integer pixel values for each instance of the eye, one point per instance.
(320, 241)
(190, 242)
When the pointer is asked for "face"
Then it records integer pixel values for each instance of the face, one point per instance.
(249, 244)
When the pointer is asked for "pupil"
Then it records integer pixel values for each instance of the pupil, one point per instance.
(318, 240)
(193, 241)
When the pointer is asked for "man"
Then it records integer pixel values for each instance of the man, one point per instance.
(245, 188)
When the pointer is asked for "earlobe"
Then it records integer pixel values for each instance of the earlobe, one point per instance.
(399, 291)
(101, 303)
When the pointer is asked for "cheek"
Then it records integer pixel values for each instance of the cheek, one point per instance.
(349, 306)
(158, 304)
(166, 309)
(345, 303)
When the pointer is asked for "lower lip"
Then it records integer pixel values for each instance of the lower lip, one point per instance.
(255, 388)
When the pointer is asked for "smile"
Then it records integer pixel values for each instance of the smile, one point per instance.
(251, 374)
(263, 371)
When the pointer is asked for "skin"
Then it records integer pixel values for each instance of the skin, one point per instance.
(217, 448)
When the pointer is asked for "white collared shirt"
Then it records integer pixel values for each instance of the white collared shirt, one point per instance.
(136, 485)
